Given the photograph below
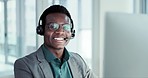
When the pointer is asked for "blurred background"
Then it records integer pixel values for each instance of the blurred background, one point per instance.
(19, 19)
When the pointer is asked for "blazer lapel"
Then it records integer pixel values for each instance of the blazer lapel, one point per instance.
(46, 69)
(74, 68)
(44, 65)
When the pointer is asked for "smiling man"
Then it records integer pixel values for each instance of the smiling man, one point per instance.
(52, 59)
(57, 33)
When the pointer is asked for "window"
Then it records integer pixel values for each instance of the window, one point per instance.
(17, 34)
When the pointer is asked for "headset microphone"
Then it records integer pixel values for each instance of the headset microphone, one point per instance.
(68, 38)
(72, 35)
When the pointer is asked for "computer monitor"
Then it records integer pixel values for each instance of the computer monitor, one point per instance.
(126, 46)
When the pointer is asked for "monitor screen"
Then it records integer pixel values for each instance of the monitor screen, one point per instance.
(126, 46)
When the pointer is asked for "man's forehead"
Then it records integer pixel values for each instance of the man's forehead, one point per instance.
(57, 15)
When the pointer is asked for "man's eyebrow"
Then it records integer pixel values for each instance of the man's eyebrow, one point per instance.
(50, 23)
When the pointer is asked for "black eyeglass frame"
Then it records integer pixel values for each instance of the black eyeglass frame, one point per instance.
(53, 26)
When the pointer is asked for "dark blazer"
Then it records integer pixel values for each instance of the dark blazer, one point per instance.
(36, 66)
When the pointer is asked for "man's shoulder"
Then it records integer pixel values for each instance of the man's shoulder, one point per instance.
(76, 57)
(32, 57)
(27, 58)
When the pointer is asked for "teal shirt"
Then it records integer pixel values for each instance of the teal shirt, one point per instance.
(59, 67)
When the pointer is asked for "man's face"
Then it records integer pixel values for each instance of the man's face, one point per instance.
(57, 28)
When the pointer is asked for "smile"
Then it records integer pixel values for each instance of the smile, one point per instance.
(58, 38)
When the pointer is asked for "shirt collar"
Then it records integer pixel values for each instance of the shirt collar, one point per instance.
(51, 57)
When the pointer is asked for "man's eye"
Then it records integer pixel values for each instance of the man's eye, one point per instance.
(67, 27)
(54, 26)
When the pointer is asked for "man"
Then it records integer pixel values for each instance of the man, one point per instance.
(52, 59)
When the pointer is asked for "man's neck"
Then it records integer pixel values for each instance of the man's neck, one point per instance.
(57, 52)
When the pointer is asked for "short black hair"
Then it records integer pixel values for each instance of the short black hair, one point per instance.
(54, 9)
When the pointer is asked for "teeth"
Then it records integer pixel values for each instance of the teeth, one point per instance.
(59, 38)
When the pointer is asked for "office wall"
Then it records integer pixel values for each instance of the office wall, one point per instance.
(100, 7)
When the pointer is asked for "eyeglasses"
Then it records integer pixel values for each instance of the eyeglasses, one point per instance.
(55, 26)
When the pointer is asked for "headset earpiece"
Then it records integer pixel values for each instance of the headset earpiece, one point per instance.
(39, 30)
(72, 33)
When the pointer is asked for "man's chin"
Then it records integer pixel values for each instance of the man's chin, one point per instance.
(57, 47)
